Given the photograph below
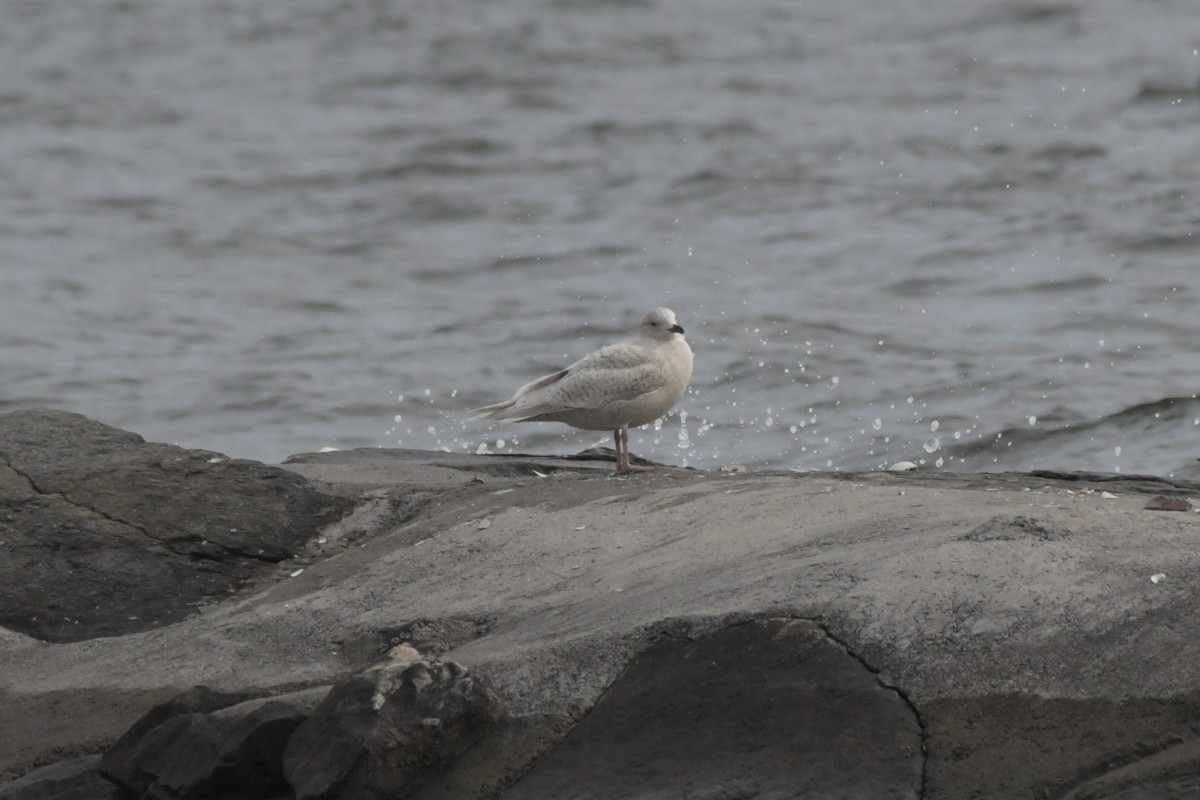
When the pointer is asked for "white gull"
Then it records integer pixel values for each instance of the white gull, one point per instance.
(618, 387)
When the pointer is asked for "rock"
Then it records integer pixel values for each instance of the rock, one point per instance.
(1012, 528)
(206, 755)
(1173, 772)
(1025, 746)
(1016, 616)
(225, 752)
(105, 534)
(389, 732)
(1164, 503)
(770, 708)
(372, 467)
(120, 762)
(77, 779)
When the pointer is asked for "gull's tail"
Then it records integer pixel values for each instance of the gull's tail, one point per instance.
(494, 411)
(524, 404)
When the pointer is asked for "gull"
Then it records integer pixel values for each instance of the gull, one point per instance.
(618, 387)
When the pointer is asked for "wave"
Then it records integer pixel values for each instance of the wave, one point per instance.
(1161, 437)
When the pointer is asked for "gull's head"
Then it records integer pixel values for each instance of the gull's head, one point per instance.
(660, 324)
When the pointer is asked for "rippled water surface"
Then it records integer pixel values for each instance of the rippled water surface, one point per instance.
(957, 232)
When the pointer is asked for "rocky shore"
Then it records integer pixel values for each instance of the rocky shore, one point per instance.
(401, 624)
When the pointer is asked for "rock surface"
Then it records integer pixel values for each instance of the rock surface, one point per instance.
(387, 733)
(120, 762)
(204, 744)
(104, 534)
(977, 636)
(767, 708)
(76, 779)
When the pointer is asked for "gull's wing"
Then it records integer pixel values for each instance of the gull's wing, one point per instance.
(617, 372)
(611, 374)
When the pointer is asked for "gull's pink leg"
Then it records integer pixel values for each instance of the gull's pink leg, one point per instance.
(623, 465)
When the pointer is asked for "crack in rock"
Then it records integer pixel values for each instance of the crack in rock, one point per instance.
(117, 535)
(746, 708)
(74, 503)
(885, 684)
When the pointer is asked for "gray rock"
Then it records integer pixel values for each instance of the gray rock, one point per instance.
(1024, 620)
(1012, 528)
(123, 763)
(231, 751)
(389, 732)
(202, 755)
(767, 709)
(77, 779)
(105, 534)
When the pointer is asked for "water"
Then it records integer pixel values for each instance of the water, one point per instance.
(958, 233)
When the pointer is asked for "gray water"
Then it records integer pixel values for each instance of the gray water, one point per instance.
(957, 232)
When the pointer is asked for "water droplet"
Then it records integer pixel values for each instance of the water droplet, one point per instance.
(1032, 419)
(1117, 451)
(933, 445)
(396, 418)
(877, 424)
(933, 426)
